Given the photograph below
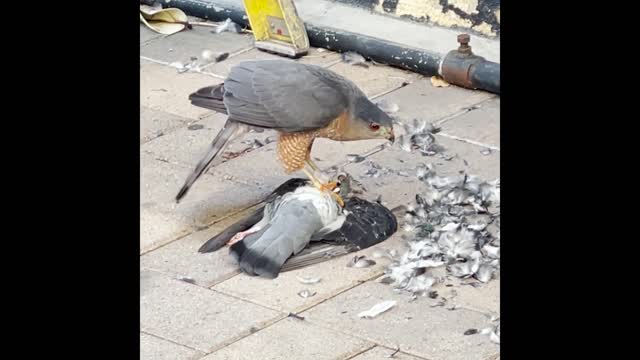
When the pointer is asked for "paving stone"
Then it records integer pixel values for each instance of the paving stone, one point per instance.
(196, 317)
(154, 348)
(185, 44)
(282, 293)
(163, 88)
(421, 100)
(157, 228)
(188, 145)
(485, 298)
(147, 35)
(154, 123)
(210, 198)
(380, 352)
(481, 124)
(314, 57)
(292, 339)
(430, 332)
(375, 79)
(181, 258)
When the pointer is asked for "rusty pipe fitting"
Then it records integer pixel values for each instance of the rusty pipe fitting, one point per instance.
(463, 68)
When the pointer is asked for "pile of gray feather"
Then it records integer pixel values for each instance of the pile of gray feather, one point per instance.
(452, 230)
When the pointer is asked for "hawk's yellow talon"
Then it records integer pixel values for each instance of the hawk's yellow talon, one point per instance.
(338, 199)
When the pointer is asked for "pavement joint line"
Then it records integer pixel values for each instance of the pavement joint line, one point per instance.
(154, 60)
(263, 325)
(397, 349)
(398, 87)
(210, 172)
(169, 340)
(160, 62)
(462, 111)
(346, 288)
(150, 41)
(373, 345)
(231, 55)
(194, 229)
(324, 325)
(181, 234)
(167, 276)
(468, 141)
(246, 300)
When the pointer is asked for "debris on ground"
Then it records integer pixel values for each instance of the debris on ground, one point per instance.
(419, 136)
(471, 332)
(212, 56)
(187, 279)
(450, 232)
(486, 152)
(375, 170)
(195, 127)
(355, 158)
(228, 26)
(308, 279)
(438, 81)
(377, 309)
(355, 59)
(360, 262)
(388, 107)
(493, 332)
(253, 143)
(306, 293)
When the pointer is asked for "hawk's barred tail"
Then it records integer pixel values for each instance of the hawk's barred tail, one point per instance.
(230, 130)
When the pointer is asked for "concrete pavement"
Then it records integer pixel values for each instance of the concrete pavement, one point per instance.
(198, 306)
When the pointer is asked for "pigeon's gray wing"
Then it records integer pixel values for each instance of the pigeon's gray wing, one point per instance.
(317, 253)
(285, 95)
(290, 230)
(368, 223)
(246, 222)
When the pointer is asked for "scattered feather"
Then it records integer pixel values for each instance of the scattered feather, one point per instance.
(360, 262)
(419, 136)
(353, 58)
(446, 233)
(308, 279)
(354, 158)
(253, 143)
(377, 309)
(471, 332)
(229, 26)
(186, 279)
(211, 56)
(306, 293)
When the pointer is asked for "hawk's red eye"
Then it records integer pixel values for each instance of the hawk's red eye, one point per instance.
(374, 126)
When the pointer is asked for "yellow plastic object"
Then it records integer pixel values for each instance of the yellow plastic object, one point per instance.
(277, 27)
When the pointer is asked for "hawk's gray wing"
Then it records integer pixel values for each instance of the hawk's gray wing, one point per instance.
(285, 95)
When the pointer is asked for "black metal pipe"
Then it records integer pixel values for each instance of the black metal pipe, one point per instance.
(485, 74)
(463, 68)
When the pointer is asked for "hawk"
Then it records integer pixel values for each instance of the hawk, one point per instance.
(301, 102)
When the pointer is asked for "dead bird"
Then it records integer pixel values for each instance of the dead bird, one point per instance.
(298, 225)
